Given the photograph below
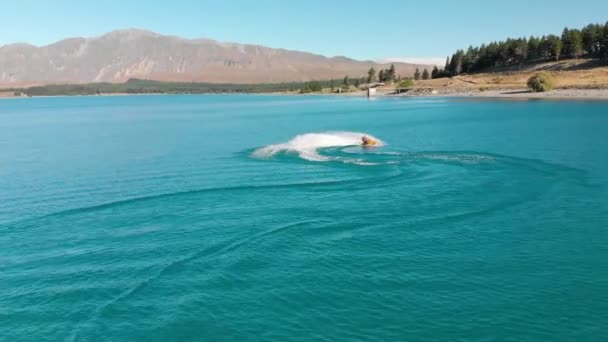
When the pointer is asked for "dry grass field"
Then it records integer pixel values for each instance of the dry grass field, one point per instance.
(570, 74)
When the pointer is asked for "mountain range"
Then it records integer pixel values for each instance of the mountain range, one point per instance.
(124, 54)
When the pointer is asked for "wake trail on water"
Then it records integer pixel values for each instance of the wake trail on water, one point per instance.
(346, 148)
(308, 145)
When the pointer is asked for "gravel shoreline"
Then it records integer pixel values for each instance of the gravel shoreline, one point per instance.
(596, 94)
(573, 94)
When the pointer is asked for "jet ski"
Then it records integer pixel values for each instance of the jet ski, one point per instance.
(367, 141)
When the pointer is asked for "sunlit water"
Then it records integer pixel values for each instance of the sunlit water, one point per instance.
(159, 218)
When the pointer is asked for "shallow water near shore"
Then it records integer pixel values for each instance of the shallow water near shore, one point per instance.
(233, 217)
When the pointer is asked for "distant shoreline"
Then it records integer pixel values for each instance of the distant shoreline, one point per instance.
(520, 93)
(573, 79)
(512, 94)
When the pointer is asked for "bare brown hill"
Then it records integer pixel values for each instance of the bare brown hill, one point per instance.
(121, 55)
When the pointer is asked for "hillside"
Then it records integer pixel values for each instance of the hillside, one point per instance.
(574, 73)
(125, 54)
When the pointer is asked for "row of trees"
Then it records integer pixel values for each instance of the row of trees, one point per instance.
(312, 86)
(135, 86)
(425, 74)
(333, 84)
(389, 75)
(591, 42)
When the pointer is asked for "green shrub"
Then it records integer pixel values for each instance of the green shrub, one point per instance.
(541, 82)
(406, 83)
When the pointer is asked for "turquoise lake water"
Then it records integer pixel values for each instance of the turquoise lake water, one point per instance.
(239, 218)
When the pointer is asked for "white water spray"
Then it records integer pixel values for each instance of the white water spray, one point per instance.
(307, 145)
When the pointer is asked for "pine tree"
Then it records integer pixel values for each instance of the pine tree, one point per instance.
(356, 84)
(371, 75)
(482, 58)
(544, 48)
(591, 39)
(533, 48)
(425, 74)
(565, 39)
(603, 52)
(417, 74)
(468, 60)
(381, 76)
(493, 53)
(572, 43)
(504, 52)
(331, 84)
(555, 46)
(345, 81)
(519, 50)
(435, 72)
(392, 73)
(456, 63)
(577, 43)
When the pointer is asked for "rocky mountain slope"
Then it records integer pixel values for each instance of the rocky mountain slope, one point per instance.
(121, 55)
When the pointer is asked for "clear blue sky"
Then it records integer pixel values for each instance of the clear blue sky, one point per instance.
(358, 29)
